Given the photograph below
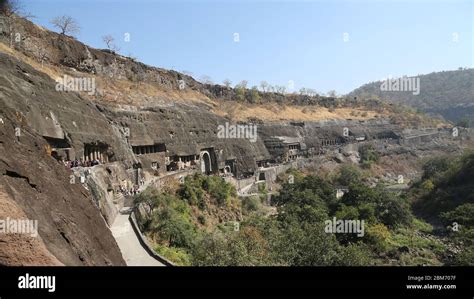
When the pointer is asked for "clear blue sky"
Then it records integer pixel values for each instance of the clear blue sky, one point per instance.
(280, 41)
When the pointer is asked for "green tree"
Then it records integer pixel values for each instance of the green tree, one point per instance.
(240, 90)
(389, 209)
(368, 154)
(211, 250)
(464, 258)
(174, 228)
(464, 122)
(349, 173)
(434, 167)
(354, 254)
(246, 247)
(304, 244)
(378, 236)
(463, 214)
(192, 191)
(254, 95)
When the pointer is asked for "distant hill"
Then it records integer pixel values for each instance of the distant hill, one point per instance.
(449, 94)
(123, 80)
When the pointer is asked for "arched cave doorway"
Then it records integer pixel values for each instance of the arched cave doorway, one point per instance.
(205, 162)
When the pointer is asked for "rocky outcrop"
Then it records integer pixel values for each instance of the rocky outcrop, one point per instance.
(69, 223)
(21, 249)
(53, 48)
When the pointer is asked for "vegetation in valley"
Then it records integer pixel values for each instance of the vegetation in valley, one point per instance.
(178, 222)
(444, 195)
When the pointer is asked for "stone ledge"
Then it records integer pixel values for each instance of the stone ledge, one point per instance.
(143, 241)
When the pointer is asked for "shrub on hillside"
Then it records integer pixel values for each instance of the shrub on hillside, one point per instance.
(368, 154)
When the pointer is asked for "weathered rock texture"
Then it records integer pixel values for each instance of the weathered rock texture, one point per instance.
(70, 225)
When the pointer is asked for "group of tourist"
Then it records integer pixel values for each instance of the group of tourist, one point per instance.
(80, 163)
(133, 191)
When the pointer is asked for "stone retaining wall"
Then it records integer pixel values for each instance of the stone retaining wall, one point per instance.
(144, 242)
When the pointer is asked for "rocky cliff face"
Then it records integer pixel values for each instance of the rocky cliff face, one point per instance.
(58, 49)
(70, 223)
(71, 228)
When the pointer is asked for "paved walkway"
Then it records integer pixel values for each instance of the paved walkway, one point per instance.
(132, 251)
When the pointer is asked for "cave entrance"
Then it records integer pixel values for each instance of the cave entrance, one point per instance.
(96, 152)
(148, 149)
(206, 162)
(230, 167)
(137, 169)
(59, 149)
(55, 155)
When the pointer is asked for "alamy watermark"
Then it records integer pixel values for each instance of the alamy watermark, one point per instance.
(181, 84)
(67, 83)
(19, 226)
(340, 226)
(402, 84)
(345, 37)
(455, 132)
(28, 281)
(291, 179)
(237, 131)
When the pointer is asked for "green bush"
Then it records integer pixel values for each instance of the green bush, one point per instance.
(173, 227)
(175, 255)
(347, 212)
(378, 236)
(219, 189)
(354, 254)
(464, 122)
(463, 215)
(386, 207)
(251, 204)
(244, 248)
(464, 258)
(254, 95)
(349, 174)
(192, 191)
(427, 185)
(421, 225)
(194, 188)
(434, 167)
(368, 153)
(240, 93)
